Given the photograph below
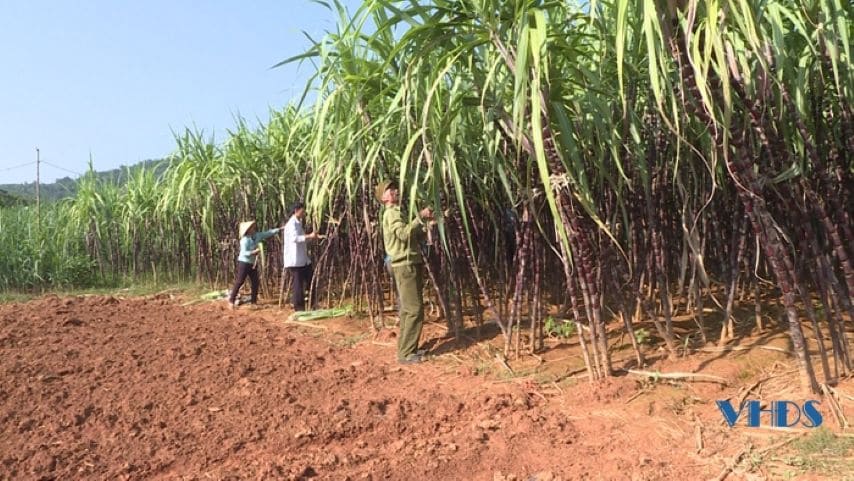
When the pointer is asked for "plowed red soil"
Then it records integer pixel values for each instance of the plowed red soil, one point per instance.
(103, 388)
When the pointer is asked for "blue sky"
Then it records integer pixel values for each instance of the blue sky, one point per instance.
(113, 78)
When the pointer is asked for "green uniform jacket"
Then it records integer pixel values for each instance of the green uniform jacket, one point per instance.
(402, 240)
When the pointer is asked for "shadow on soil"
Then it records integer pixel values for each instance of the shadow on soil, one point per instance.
(468, 337)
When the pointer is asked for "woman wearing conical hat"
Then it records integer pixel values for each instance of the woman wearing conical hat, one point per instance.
(249, 239)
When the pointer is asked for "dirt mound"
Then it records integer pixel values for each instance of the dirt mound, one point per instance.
(103, 388)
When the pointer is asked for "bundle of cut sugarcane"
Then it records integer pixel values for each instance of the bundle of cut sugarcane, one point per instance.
(316, 315)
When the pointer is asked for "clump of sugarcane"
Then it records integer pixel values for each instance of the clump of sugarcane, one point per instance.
(615, 166)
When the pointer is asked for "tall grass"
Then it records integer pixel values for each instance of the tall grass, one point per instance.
(36, 255)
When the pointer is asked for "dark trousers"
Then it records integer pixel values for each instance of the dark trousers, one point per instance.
(244, 270)
(302, 282)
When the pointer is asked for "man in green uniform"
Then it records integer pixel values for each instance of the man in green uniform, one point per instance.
(401, 241)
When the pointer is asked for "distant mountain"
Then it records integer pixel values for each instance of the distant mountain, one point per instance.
(67, 187)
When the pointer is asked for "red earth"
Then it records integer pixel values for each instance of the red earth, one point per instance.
(100, 387)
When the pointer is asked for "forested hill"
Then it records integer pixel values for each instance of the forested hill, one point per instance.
(67, 186)
(8, 200)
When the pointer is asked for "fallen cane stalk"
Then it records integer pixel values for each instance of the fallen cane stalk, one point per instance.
(842, 394)
(500, 360)
(306, 324)
(737, 458)
(635, 395)
(677, 375)
(570, 374)
(731, 464)
(744, 348)
(835, 408)
(698, 432)
(751, 388)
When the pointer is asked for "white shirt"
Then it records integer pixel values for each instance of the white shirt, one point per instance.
(295, 252)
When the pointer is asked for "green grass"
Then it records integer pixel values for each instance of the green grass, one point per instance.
(559, 327)
(745, 374)
(824, 442)
(128, 289)
(821, 453)
(11, 297)
(484, 368)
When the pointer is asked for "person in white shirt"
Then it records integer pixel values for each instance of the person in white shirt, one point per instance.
(296, 258)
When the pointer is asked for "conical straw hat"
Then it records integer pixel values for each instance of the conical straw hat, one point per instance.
(244, 227)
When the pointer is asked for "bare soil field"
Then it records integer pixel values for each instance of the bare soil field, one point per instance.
(100, 387)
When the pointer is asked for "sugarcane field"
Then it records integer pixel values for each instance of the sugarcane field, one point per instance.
(498, 240)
